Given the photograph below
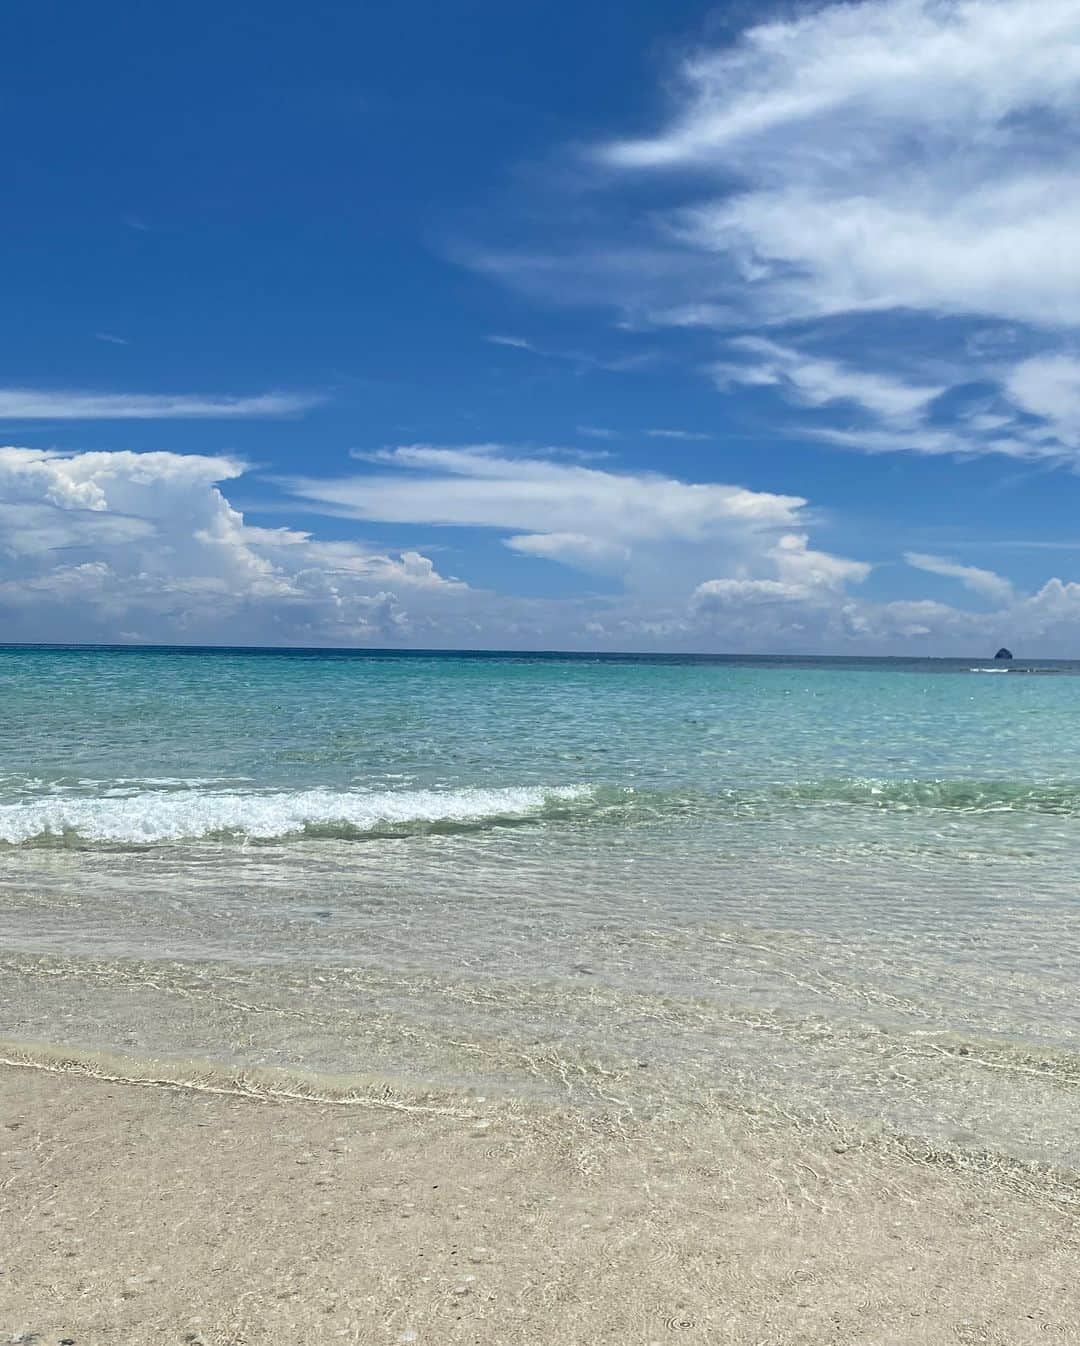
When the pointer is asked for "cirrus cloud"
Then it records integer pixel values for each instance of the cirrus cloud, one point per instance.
(894, 153)
(987, 583)
(824, 191)
(37, 404)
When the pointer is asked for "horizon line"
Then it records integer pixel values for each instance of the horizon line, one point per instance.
(487, 651)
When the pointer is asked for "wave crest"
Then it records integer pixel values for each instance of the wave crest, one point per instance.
(135, 817)
(185, 815)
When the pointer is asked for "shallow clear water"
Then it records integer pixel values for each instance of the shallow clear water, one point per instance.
(843, 886)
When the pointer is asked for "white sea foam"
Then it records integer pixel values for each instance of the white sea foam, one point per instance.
(155, 815)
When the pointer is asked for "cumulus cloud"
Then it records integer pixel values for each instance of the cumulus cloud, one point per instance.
(797, 563)
(657, 534)
(680, 550)
(763, 614)
(1046, 620)
(727, 594)
(106, 546)
(806, 598)
(95, 543)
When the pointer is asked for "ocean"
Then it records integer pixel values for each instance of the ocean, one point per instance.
(841, 888)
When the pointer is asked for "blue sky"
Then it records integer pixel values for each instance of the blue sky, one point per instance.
(735, 327)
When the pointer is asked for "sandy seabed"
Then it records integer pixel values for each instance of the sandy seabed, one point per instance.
(138, 1213)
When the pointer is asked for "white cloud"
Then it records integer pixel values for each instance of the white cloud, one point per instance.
(95, 543)
(582, 361)
(516, 343)
(1048, 386)
(666, 540)
(730, 593)
(483, 486)
(934, 441)
(987, 583)
(804, 253)
(807, 584)
(27, 404)
(573, 549)
(691, 436)
(798, 564)
(817, 382)
(1046, 621)
(924, 61)
(894, 153)
(912, 619)
(887, 163)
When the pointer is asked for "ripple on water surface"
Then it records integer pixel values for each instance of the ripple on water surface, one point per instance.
(609, 884)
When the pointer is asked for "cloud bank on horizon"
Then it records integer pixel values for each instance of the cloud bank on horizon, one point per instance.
(863, 214)
(147, 547)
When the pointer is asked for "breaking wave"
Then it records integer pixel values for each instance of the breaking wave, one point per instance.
(137, 817)
(156, 816)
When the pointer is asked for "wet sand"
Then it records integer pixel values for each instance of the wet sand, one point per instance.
(138, 1213)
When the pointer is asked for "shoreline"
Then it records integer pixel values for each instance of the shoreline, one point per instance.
(138, 1214)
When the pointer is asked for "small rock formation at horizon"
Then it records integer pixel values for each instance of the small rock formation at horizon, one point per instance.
(1003, 653)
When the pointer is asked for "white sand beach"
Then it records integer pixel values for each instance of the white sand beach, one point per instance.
(137, 1213)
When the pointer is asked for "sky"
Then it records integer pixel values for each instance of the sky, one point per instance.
(745, 327)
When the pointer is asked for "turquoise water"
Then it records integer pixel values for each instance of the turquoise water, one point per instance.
(134, 746)
(837, 885)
